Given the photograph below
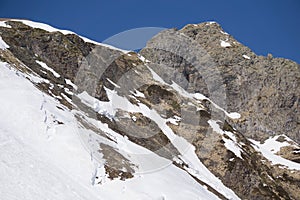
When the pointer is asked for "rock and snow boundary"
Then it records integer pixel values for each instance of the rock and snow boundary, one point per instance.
(42, 159)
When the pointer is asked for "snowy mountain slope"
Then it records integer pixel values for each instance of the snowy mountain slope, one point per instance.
(41, 159)
(55, 145)
(126, 134)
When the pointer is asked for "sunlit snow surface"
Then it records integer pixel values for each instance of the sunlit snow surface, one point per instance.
(3, 24)
(41, 159)
(44, 65)
(246, 57)
(269, 149)
(231, 144)
(3, 45)
(225, 44)
(188, 155)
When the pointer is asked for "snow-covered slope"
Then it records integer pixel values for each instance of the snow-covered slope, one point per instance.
(43, 159)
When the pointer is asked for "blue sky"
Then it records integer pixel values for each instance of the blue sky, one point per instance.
(266, 26)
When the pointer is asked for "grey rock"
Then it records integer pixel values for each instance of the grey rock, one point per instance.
(264, 90)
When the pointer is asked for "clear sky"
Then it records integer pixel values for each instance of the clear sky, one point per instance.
(266, 26)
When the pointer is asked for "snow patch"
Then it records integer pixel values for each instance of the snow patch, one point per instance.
(200, 96)
(246, 57)
(225, 44)
(296, 151)
(234, 115)
(269, 149)
(3, 24)
(137, 93)
(43, 26)
(68, 91)
(102, 44)
(155, 76)
(133, 118)
(142, 58)
(231, 144)
(174, 120)
(114, 84)
(69, 82)
(210, 23)
(67, 98)
(45, 66)
(224, 33)
(3, 45)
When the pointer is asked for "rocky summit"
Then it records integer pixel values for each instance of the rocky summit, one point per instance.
(193, 115)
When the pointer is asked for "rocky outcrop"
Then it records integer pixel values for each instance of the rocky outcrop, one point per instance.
(264, 90)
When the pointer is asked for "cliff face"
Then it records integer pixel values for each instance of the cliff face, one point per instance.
(264, 90)
(194, 99)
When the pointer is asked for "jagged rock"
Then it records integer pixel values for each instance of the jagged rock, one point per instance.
(265, 90)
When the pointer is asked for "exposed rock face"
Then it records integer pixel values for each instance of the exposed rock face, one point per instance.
(265, 90)
(61, 52)
(199, 58)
